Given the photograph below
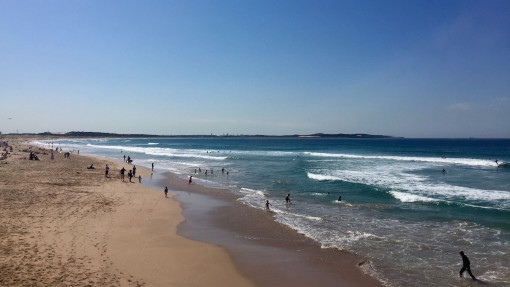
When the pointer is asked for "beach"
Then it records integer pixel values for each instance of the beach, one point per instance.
(62, 224)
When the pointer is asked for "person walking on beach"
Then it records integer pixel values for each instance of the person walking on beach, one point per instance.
(130, 175)
(466, 265)
(152, 166)
(166, 191)
(106, 171)
(190, 179)
(267, 205)
(139, 179)
(124, 158)
(134, 171)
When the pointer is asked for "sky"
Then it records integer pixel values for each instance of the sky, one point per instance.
(407, 68)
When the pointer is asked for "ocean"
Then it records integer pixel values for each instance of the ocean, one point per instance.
(408, 206)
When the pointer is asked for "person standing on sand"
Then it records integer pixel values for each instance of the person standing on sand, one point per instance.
(106, 171)
(190, 179)
(139, 179)
(134, 171)
(122, 171)
(166, 191)
(152, 166)
(466, 265)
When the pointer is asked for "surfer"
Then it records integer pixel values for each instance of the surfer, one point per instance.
(497, 163)
(466, 265)
(339, 198)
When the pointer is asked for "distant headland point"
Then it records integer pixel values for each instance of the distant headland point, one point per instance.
(117, 135)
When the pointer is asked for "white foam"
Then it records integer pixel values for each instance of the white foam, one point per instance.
(286, 213)
(409, 187)
(162, 152)
(457, 161)
(324, 177)
(407, 197)
(249, 191)
(319, 194)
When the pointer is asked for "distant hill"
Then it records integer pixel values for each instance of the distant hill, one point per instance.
(321, 135)
(115, 135)
(77, 134)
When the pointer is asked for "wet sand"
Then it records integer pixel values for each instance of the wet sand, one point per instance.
(268, 253)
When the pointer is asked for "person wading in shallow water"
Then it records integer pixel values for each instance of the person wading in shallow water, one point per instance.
(465, 265)
(267, 205)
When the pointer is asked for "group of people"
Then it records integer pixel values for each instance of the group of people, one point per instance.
(287, 202)
(33, 156)
(131, 173)
(127, 159)
(223, 171)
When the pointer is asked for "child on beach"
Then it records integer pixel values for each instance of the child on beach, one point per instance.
(166, 191)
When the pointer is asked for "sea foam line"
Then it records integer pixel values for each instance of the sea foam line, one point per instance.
(409, 188)
(160, 152)
(458, 161)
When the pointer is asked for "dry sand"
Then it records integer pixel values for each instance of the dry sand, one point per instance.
(64, 225)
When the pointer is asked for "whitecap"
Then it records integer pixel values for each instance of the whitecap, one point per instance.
(408, 197)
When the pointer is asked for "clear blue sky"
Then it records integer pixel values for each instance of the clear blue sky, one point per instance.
(403, 68)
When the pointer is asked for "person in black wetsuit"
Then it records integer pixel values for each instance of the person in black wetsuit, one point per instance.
(466, 265)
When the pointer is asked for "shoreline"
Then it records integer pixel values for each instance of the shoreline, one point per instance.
(265, 251)
(262, 251)
(64, 225)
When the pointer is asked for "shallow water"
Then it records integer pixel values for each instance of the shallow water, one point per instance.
(398, 209)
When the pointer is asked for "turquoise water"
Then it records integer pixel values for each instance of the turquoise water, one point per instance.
(399, 209)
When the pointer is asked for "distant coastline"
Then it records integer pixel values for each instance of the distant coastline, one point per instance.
(116, 135)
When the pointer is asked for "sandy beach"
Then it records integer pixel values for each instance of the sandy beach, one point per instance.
(62, 224)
